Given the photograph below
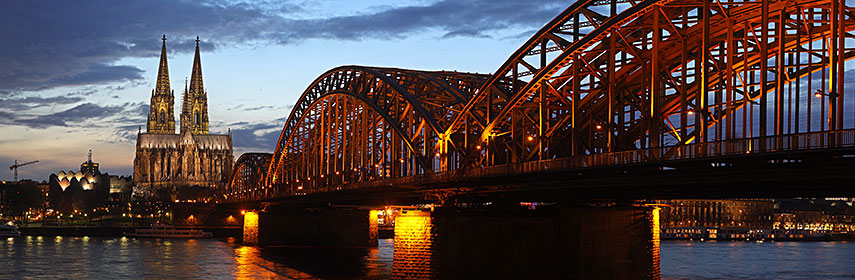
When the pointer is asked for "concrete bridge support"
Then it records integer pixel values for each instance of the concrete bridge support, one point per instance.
(311, 227)
(565, 243)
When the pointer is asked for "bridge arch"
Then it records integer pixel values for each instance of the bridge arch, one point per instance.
(247, 178)
(601, 79)
(386, 122)
(608, 76)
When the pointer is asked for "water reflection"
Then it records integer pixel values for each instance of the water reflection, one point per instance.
(129, 258)
(314, 262)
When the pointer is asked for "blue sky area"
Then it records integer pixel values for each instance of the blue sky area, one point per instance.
(78, 75)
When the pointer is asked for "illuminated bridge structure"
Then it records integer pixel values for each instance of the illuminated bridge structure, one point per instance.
(637, 96)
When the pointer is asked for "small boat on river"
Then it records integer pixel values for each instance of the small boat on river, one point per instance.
(167, 231)
(9, 230)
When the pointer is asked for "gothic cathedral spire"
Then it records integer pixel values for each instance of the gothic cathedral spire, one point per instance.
(161, 119)
(194, 111)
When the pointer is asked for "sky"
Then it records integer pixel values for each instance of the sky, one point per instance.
(78, 75)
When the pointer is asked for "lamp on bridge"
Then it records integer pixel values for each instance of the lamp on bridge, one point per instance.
(820, 93)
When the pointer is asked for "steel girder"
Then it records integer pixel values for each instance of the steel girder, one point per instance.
(357, 124)
(602, 77)
(247, 178)
(656, 74)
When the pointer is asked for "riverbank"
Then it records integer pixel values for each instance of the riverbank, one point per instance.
(822, 238)
(219, 232)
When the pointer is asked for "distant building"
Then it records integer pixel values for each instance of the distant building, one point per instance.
(167, 162)
(121, 187)
(721, 213)
(81, 190)
(787, 219)
(816, 214)
(89, 166)
(19, 197)
(44, 194)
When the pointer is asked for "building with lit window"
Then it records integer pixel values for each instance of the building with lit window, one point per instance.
(828, 215)
(701, 219)
(751, 214)
(788, 219)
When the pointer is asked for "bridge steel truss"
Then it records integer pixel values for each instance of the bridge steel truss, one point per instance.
(248, 173)
(601, 79)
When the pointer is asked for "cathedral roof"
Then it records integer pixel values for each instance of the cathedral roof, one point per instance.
(162, 86)
(205, 142)
(196, 86)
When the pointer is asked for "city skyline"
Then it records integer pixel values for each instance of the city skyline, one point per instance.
(80, 77)
(428, 139)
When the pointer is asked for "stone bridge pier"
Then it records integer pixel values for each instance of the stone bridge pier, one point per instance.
(311, 227)
(614, 242)
(562, 243)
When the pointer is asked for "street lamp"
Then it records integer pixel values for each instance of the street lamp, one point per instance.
(820, 93)
(832, 106)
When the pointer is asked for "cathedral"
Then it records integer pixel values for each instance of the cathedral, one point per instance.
(167, 162)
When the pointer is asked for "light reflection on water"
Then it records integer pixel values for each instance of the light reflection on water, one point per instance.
(130, 258)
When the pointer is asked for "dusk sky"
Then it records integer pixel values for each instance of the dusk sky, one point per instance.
(78, 75)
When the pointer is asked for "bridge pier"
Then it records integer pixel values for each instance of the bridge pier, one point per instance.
(564, 243)
(311, 227)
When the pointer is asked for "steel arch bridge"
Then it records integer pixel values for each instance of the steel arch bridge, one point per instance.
(604, 83)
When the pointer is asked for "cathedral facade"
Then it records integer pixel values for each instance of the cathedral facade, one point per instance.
(167, 161)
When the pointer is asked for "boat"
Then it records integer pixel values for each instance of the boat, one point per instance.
(9, 230)
(168, 231)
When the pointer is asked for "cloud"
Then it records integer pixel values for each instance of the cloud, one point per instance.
(66, 43)
(268, 107)
(474, 18)
(125, 133)
(256, 136)
(32, 102)
(85, 114)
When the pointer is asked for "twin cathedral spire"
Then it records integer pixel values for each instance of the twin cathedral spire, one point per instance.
(194, 108)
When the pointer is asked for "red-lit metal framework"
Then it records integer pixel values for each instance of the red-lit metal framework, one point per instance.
(658, 80)
(248, 173)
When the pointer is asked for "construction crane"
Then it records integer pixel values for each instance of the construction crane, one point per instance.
(15, 167)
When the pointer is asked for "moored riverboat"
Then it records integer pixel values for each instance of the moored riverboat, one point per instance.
(9, 230)
(168, 231)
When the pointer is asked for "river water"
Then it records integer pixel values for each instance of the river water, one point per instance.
(33, 257)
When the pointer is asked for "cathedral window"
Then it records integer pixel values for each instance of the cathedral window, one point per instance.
(197, 118)
(162, 116)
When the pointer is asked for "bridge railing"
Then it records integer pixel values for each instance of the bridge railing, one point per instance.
(768, 145)
(755, 145)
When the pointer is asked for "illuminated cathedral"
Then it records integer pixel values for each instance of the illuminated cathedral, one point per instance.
(167, 161)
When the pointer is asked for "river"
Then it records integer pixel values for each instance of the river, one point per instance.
(128, 258)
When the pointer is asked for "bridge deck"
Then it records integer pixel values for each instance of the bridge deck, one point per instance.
(808, 164)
